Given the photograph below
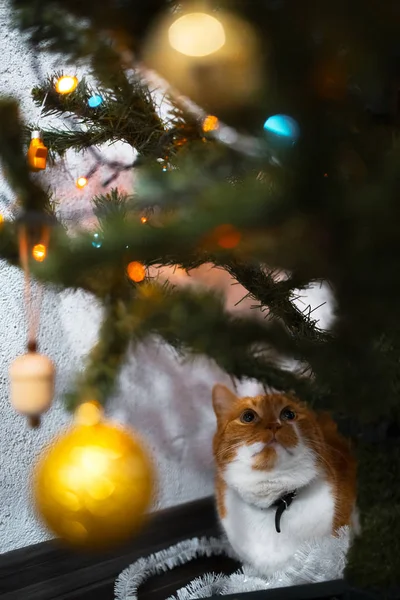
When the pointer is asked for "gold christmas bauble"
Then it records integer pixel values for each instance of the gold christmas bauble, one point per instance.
(95, 483)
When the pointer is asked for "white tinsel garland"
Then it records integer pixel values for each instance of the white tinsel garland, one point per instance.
(315, 561)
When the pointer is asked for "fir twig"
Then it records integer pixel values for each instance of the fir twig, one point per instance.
(276, 296)
(30, 194)
(127, 113)
(104, 362)
(242, 346)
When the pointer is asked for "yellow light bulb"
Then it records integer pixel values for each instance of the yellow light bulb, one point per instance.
(39, 252)
(81, 182)
(196, 34)
(66, 84)
(143, 219)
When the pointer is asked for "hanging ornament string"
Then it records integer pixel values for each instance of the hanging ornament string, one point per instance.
(32, 375)
(32, 309)
(32, 312)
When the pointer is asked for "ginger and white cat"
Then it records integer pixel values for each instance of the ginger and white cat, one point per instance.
(273, 454)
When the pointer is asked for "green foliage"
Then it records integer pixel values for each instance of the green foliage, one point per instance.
(31, 196)
(104, 362)
(111, 207)
(239, 345)
(374, 559)
(126, 114)
(75, 28)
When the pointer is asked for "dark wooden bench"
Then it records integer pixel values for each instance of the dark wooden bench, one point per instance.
(49, 571)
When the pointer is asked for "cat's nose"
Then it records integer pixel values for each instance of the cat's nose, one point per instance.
(274, 427)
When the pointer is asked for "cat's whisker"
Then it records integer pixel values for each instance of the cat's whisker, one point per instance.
(233, 447)
(319, 455)
(321, 447)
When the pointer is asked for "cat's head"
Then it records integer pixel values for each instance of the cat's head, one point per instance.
(272, 438)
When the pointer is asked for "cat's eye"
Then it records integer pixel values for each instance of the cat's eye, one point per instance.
(287, 414)
(248, 416)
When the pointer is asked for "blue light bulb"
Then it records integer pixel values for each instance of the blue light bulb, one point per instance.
(97, 240)
(95, 101)
(283, 125)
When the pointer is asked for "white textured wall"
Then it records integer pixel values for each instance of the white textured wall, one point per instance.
(169, 403)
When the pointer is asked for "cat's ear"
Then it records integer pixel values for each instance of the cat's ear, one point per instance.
(222, 399)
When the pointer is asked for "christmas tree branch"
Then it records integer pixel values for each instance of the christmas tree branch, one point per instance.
(127, 113)
(74, 27)
(276, 296)
(242, 346)
(189, 237)
(30, 194)
(9, 242)
(105, 360)
(71, 259)
(59, 141)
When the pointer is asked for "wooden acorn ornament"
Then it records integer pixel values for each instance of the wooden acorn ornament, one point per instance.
(32, 377)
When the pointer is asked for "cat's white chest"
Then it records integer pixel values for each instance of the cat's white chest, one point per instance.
(251, 529)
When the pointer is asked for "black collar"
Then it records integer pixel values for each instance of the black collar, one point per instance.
(281, 505)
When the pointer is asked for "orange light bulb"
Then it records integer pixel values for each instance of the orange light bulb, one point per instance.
(228, 236)
(81, 182)
(66, 84)
(37, 152)
(136, 271)
(210, 123)
(143, 219)
(39, 252)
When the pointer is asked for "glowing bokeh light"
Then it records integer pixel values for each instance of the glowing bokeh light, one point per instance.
(81, 182)
(136, 271)
(210, 123)
(227, 236)
(97, 240)
(95, 101)
(283, 125)
(196, 34)
(39, 252)
(66, 84)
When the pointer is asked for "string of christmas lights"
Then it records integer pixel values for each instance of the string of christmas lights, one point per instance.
(37, 153)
